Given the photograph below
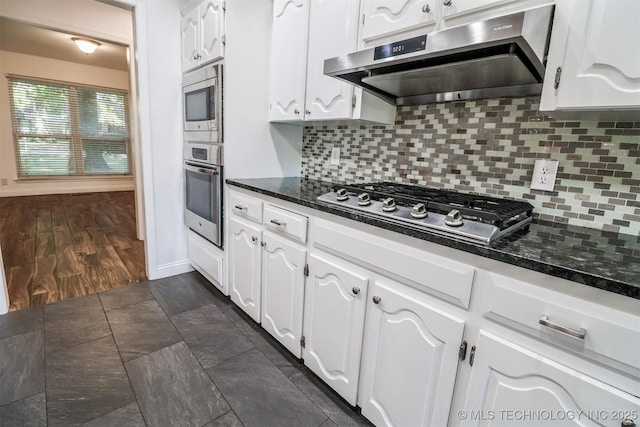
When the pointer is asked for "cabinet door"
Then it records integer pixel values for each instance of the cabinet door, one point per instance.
(409, 358)
(471, 10)
(211, 21)
(189, 30)
(288, 59)
(596, 45)
(244, 266)
(384, 18)
(333, 31)
(335, 300)
(509, 381)
(283, 265)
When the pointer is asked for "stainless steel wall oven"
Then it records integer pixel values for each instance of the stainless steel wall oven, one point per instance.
(203, 189)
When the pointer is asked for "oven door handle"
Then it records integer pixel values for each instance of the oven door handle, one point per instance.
(201, 169)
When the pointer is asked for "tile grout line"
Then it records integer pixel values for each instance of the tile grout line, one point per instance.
(124, 367)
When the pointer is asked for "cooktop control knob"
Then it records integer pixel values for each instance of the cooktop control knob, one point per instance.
(364, 199)
(419, 211)
(342, 195)
(453, 218)
(388, 204)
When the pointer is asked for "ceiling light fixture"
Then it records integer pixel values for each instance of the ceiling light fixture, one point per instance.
(86, 45)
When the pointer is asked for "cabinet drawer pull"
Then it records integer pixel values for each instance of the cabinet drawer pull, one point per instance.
(278, 223)
(447, 2)
(376, 299)
(240, 207)
(355, 290)
(426, 8)
(576, 333)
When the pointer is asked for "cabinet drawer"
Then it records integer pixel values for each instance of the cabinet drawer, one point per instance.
(246, 207)
(286, 222)
(207, 259)
(437, 275)
(610, 336)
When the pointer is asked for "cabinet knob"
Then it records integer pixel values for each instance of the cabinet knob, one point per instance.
(263, 244)
(627, 423)
(296, 112)
(376, 299)
(447, 2)
(307, 112)
(195, 56)
(254, 239)
(426, 8)
(355, 290)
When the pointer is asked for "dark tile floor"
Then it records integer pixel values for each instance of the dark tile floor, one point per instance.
(170, 352)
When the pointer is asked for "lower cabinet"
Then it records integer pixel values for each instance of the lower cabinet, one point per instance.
(244, 266)
(334, 306)
(510, 382)
(283, 273)
(409, 358)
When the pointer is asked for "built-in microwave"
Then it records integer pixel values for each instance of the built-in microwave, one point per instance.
(202, 92)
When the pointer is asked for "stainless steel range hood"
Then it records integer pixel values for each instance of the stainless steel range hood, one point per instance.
(503, 56)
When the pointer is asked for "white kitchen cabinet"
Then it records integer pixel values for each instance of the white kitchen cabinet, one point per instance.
(385, 21)
(202, 31)
(594, 60)
(409, 358)
(283, 268)
(305, 33)
(288, 59)
(244, 266)
(334, 310)
(387, 17)
(513, 384)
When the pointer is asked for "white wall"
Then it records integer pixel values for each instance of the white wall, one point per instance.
(253, 147)
(46, 68)
(164, 153)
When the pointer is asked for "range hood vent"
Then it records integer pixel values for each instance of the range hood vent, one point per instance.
(502, 56)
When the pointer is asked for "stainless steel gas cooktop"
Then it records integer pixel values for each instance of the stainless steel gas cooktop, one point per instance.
(469, 217)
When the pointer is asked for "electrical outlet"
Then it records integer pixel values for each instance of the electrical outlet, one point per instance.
(4, 181)
(335, 156)
(544, 175)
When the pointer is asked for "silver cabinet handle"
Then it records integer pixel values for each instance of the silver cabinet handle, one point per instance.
(307, 112)
(447, 2)
(355, 290)
(240, 207)
(426, 8)
(296, 112)
(576, 333)
(254, 239)
(278, 223)
(376, 299)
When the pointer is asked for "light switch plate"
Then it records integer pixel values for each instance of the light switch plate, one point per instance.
(544, 175)
(335, 156)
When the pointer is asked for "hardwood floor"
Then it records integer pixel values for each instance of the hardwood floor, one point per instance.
(62, 246)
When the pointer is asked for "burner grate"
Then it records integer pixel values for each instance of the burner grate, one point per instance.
(501, 213)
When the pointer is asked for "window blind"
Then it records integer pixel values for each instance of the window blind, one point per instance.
(63, 129)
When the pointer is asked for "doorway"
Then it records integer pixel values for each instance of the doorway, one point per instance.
(91, 242)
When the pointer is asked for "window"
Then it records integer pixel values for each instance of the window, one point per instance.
(63, 129)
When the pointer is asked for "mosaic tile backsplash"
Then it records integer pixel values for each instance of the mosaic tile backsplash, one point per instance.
(489, 147)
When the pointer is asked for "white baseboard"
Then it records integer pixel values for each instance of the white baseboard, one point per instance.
(171, 269)
(31, 190)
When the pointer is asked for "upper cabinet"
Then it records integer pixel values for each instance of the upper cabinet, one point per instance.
(202, 31)
(305, 33)
(594, 60)
(385, 21)
(387, 17)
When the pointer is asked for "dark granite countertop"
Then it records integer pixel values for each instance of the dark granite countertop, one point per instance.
(604, 260)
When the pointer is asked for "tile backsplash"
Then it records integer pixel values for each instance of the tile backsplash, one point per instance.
(489, 147)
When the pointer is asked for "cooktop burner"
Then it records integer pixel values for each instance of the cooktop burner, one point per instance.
(469, 217)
